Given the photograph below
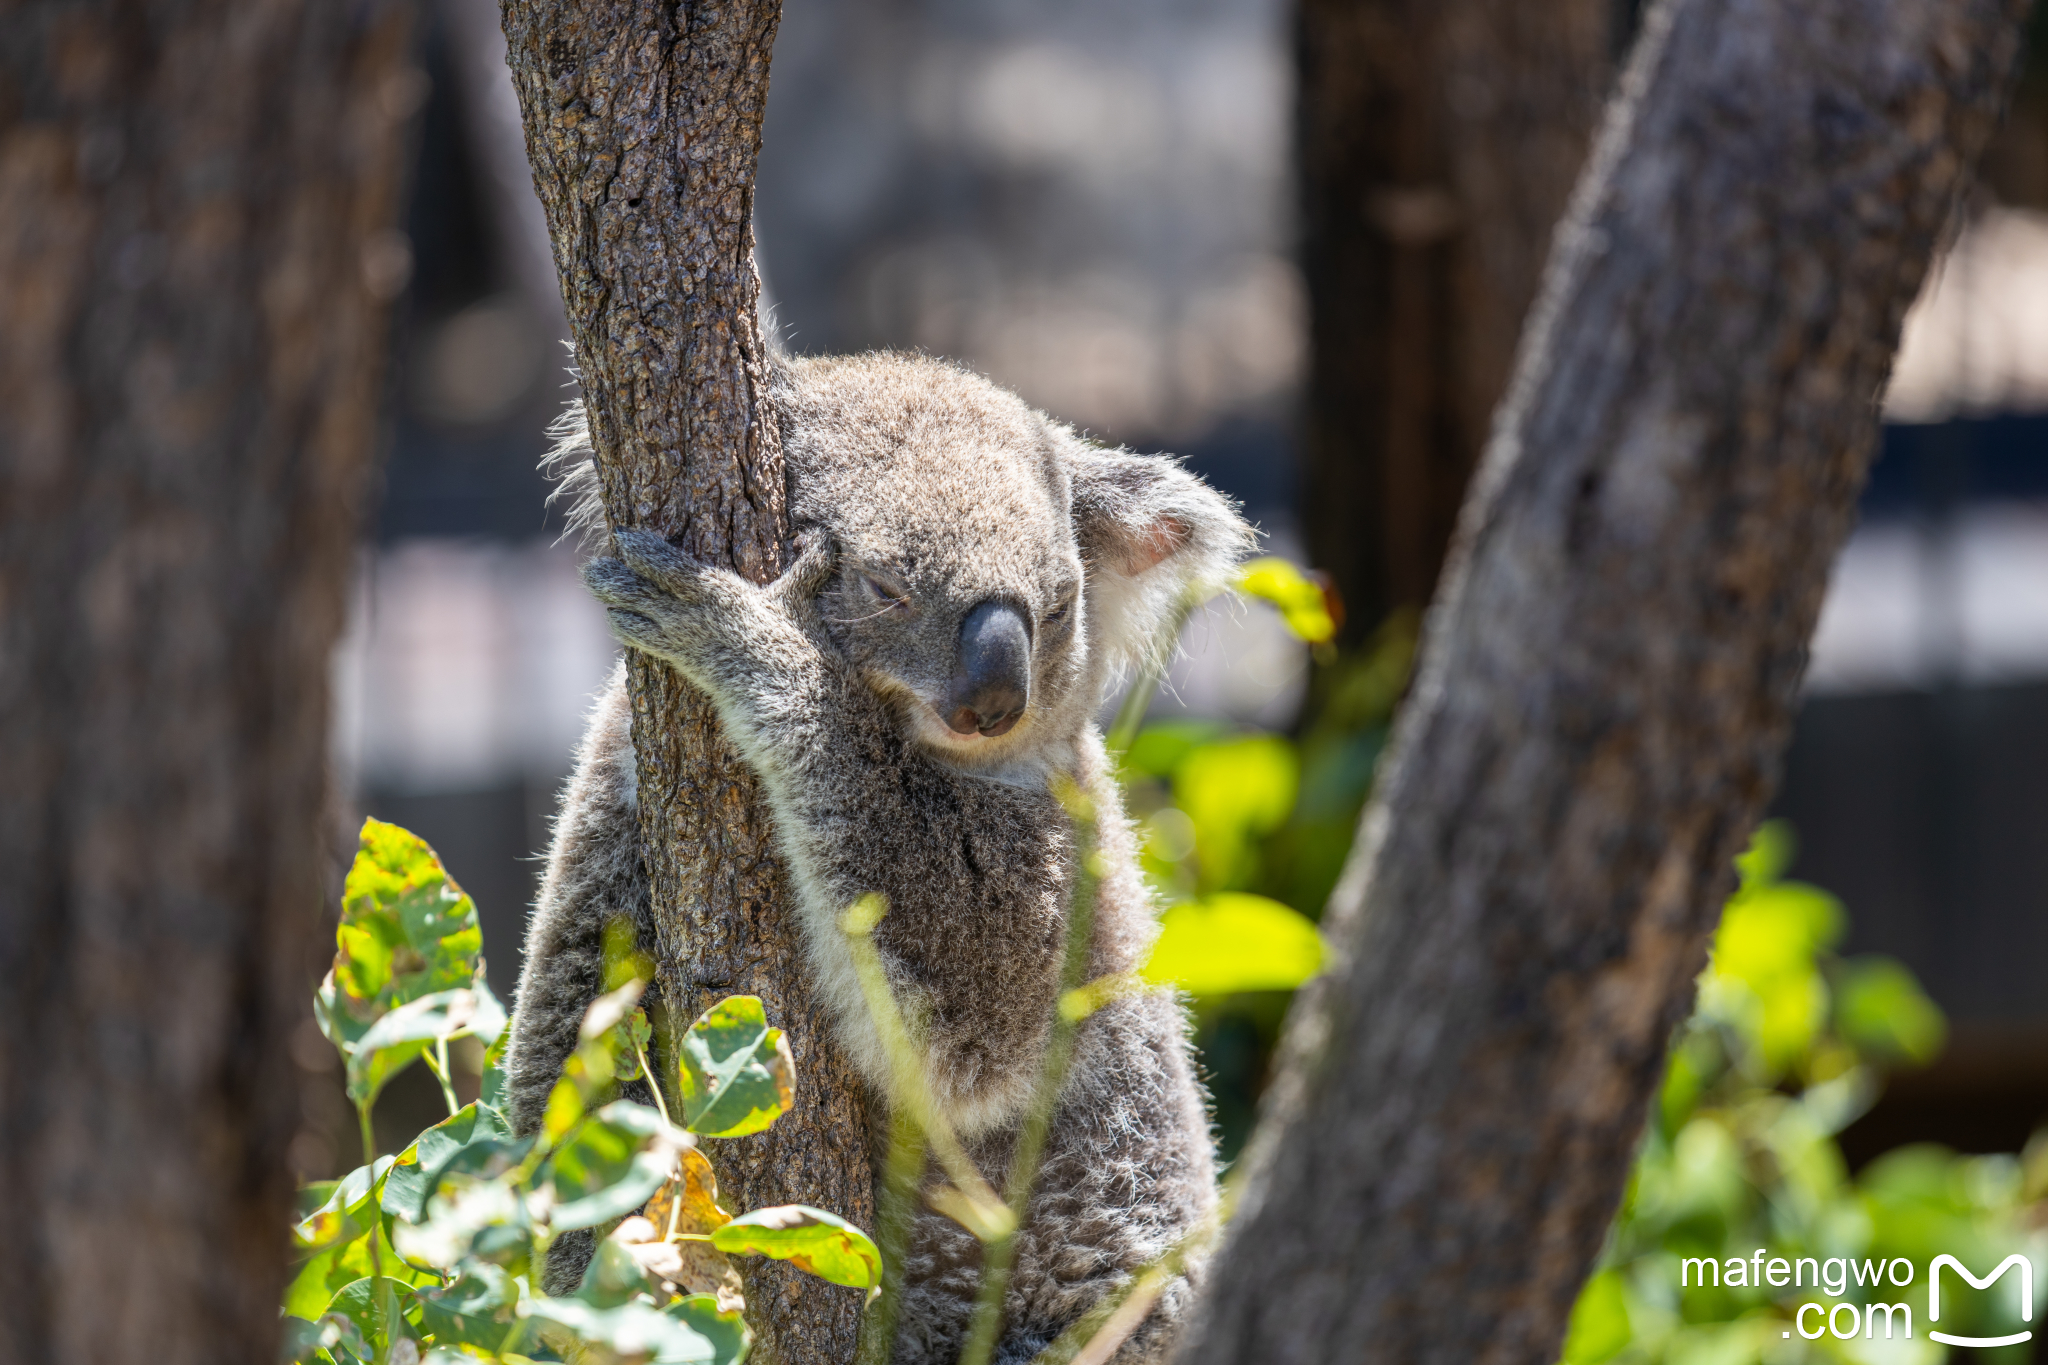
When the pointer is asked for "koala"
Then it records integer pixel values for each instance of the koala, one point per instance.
(972, 580)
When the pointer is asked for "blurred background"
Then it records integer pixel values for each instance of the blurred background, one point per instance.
(1293, 247)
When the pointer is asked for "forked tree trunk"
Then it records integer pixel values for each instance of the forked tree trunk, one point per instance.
(643, 122)
(1437, 143)
(196, 204)
(1607, 680)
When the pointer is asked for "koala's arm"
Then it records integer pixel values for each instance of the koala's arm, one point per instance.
(975, 871)
(595, 875)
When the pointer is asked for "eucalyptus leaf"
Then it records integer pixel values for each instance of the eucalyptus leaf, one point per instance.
(690, 1332)
(810, 1239)
(357, 1302)
(614, 1276)
(473, 1209)
(487, 1025)
(333, 1333)
(1232, 941)
(1302, 602)
(345, 1215)
(1235, 792)
(407, 1187)
(407, 931)
(612, 1165)
(476, 1309)
(492, 1091)
(737, 1072)
(387, 1046)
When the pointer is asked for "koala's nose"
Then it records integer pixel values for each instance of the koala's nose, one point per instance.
(991, 671)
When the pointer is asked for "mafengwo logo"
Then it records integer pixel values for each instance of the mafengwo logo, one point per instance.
(1848, 1319)
(2012, 1262)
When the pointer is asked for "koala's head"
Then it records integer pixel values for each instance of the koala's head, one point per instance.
(996, 573)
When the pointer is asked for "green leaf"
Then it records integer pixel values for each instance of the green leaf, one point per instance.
(346, 1213)
(810, 1239)
(476, 1309)
(614, 1276)
(407, 1187)
(387, 1046)
(333, 1333)
(312, 1196)
(487, 1023)
(1160, 747)
(1236, 792)
(473, 1208)
(691, 1332)
(1231, 942)
(1301, 600)
(357, 1302)
(493, 1089)
(1599, 1323)
(407, 930)
(611, 1166)
(737, 1072)
(1882, 1011)
(1768, 856)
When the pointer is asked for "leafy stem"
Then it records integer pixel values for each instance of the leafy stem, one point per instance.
(380, 1287)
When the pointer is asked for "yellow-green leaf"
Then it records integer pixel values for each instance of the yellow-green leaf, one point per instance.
(1232, 942)
(1599, 1323)
(407, 931)
(737, 1073)
(1303, 604)
(810, 1239)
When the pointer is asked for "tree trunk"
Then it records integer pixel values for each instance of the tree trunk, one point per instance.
(643, 123)
(196, 203)
(1607, 680)
(1438, 141)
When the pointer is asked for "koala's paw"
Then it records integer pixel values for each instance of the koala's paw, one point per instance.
(796, 592)
(661, 601)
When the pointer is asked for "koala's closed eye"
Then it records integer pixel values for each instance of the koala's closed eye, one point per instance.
(889, 595)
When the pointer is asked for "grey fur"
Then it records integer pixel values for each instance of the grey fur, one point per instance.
(919, 490)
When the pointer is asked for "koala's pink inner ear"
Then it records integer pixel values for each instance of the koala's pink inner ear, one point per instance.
(1148, 545)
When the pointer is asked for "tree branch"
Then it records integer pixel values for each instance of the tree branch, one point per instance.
(643, 123)
(1608, 679)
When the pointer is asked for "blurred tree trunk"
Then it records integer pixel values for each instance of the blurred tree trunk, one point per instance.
(196, 204)
(1437, 142)
(1607, 683)
(643, 123)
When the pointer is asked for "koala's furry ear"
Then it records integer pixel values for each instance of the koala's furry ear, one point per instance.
(1154, 537)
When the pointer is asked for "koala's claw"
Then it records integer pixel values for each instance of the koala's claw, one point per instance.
(615, 585)
(650, 555)
(633, 629)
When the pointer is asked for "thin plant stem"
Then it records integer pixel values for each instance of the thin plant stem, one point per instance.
(902, 1176)
(437, 1062)
(999, 1257)
(380, 1288)
(1095, 1336)
(653, 1082)
(978, 1209)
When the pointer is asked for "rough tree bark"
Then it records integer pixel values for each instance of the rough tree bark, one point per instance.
(643, 124)
(196, 202)
(1607, 682)
(1437, 142)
